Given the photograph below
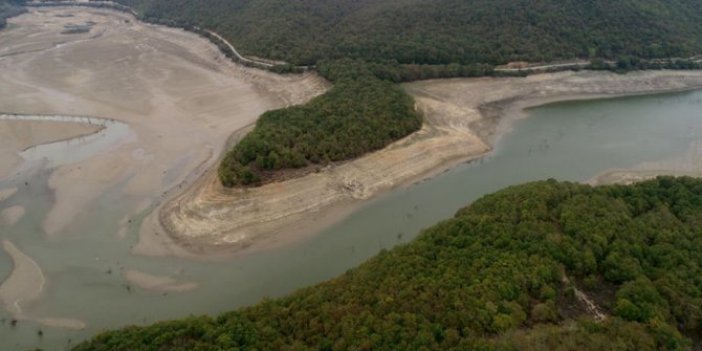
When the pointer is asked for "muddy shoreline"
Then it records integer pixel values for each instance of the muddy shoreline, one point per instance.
(195, 216)
(464, 120)
(175, 93)
(18, 135)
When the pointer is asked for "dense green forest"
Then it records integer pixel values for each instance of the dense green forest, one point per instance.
(509, 272)
(361, 113)
(443, 32)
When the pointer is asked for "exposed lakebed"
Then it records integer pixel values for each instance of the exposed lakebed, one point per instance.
(84, 276)
(86, 269)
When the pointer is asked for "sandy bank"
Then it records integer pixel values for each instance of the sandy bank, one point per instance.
(11, 215)
(25, 283)
(464, 117)
(157, 283)
(6, 194)
(62, 323)
(16, 136)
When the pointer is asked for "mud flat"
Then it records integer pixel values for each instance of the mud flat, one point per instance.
(11, 215)
(16, 136)
(7, 193)
(156, 283)
(24, 285)
(464, 118)
(177, 93)
(163, 103)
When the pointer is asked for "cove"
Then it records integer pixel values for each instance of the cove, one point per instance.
(84, 267)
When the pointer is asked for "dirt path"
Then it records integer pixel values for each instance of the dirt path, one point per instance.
(592, 308)
(265, 64)
(547, 67)
(239, 56)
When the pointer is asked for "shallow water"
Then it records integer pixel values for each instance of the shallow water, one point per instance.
(567, 141)
(73, 150)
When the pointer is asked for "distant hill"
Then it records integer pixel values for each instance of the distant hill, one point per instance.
(541, 266)
(444, 31)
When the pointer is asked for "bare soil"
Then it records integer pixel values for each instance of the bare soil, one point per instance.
(175, 90)
(464, 118)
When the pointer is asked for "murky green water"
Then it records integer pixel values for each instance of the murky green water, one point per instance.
(566, 141)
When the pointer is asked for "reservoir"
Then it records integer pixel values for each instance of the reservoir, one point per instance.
(85, 265)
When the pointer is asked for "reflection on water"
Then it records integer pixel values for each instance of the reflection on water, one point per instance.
(84, 266)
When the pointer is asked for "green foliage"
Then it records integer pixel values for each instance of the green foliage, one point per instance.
(629, 63)
(359, 114)
(393, 71)
(493, 278)
(444, 32)
(612, 335)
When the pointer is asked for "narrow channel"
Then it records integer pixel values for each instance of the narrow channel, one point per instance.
(86, 268)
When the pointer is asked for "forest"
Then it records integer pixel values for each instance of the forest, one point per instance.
(512, 271)
(361, 113)
(443, 32)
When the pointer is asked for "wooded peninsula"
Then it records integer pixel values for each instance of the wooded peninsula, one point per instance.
(541, 266)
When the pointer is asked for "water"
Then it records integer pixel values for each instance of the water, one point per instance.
(567, 141)
(73, 150)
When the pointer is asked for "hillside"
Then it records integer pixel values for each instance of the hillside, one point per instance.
(444, 31)
(358, 115)
(541, 266)
(406, 40)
